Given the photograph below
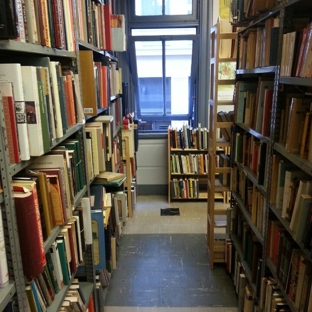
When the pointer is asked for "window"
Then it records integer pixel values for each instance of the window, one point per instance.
(164, 62)
(160, 7)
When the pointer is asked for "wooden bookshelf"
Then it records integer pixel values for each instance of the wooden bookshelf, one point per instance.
(221, 103)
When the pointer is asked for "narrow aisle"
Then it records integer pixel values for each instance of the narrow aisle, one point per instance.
(162, 263)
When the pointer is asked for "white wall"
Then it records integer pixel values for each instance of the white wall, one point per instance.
(152, 156)
(152, 160)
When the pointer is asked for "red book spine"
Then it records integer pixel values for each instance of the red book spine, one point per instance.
(58, 24)
(73, 263)
(11, 130)
(104, 87)
(108, 29)
(30, 233)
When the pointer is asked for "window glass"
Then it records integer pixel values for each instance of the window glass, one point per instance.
(155, 7)
(163, 31)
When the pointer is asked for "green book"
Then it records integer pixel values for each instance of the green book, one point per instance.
(43, 115)
(63, 259)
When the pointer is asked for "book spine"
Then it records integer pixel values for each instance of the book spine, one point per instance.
(45, 39)
(31, 21)
(4, 272)
(21, 121)
(25, 21)
(20, 19)
(11, 130)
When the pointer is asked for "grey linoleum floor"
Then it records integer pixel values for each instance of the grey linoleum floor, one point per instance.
(162, 263)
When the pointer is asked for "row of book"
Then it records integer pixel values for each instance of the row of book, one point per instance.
(184, 188)
(296, 54)
(291, 266)
(48, 23)
(52, 24)
(191, 163)
(253, 200)
(34, 107)
(258, 47)
(252, 153)
(100, 81)
(99, 27)
(297, 111)
(254, 104)
(187, 137)
(291, 194)
(245, 9)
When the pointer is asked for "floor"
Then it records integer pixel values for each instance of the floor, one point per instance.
(162, 263)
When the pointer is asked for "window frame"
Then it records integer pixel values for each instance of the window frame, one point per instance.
(164, 19)
(193, 74)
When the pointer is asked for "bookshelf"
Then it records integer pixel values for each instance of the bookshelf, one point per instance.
(60, 51)
(221, 107)
(271, 172)
(187, 163)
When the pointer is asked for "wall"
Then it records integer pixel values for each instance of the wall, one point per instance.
(152, 160)
(152, 156)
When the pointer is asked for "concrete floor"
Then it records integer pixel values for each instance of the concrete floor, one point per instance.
(162, 263)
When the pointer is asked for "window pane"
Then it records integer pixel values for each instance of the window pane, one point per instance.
(148, 7)
(163, 31)
(178, 67)
(150, 78)
(178, 7)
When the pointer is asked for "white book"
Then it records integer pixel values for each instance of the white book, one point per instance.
(57, 265)
(13, 73)
(68, 26)
(86, 209)
(31, 22)
(4, 272)
(29, 76)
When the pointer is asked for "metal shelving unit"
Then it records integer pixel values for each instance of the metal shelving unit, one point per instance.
(286, 10)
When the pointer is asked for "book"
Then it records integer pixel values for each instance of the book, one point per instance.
(305, 187)
(29, 76)
(44, 102)
(292, 180)
(4, 271)
(108, 176)
(118, 32)
(13, 73)
(86, 209)
(61, 246)
(282, 167)
(52, 272)
(264, 83)
(30, 232)
(107, 121)
(56, 264)
(8, 21)
(298, 109)
(303, 213)
(98, 239)
(57, 163)
(97, 138)
(267, 108)
(7, 103)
